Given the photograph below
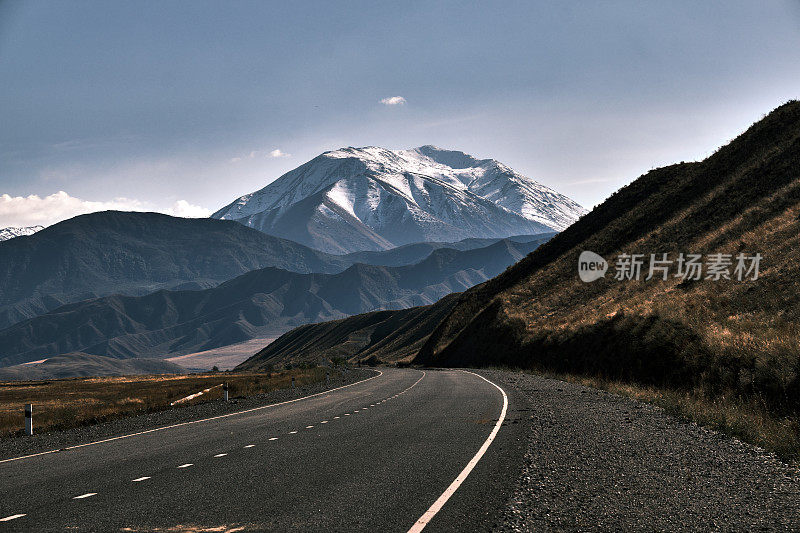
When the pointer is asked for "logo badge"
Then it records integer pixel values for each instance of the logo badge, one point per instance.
(591, 266)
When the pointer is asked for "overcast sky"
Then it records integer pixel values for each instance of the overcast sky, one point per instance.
(182, 106)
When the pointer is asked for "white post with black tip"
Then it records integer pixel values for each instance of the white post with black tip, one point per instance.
(29, 419)
(225, 391)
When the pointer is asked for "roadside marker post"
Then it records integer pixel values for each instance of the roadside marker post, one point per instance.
(225, 391)
(292, 383)
(29, 419)
(327, 379)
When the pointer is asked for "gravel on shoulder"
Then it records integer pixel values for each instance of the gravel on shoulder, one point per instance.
(601, 462)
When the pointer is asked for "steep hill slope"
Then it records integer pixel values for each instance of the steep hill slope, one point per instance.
(739, 337)
(260, 303)
(356, 199)
(385, 335)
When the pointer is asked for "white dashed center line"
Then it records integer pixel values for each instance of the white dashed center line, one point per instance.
(187, 465)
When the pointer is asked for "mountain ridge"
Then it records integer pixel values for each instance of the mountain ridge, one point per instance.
(130, 253)
(371, 198)
(135, 253)
(259, 303)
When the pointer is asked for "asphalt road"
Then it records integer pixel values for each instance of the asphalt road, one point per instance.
(373, 456)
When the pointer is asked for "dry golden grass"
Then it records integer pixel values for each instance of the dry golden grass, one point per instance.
(65, 403)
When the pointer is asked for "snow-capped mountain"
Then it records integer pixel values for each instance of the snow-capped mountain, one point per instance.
(372, 198)
(10, 233)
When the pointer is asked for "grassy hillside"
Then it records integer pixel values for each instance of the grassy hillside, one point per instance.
(724, 339)
(381, 335)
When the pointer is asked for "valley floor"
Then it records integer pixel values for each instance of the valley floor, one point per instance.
(224, 357)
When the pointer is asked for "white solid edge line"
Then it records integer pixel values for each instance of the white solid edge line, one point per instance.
(12, 517)
(439, 503)
(188, 423)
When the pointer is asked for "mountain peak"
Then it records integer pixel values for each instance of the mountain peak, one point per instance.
(372, 198)
(12, 232)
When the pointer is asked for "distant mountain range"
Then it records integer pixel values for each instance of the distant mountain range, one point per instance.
(262, 302)
(136, 253)
(357, 199)
(74, 365)
(10, 233)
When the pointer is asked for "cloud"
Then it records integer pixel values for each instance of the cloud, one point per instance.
(36, 210)
(393, 100)
(184, 209)
(276, 153)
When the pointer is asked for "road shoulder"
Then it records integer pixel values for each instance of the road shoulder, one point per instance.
(596, 461)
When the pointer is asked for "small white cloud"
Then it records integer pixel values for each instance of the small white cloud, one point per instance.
(393, 100)
(235, 159)
(36, 210)
(277, 153)
(184, 209)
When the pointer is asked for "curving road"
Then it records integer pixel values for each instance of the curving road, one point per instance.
(372, 456)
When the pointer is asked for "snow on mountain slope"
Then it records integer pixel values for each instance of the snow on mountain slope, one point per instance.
(10, 233)
(372, 198)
